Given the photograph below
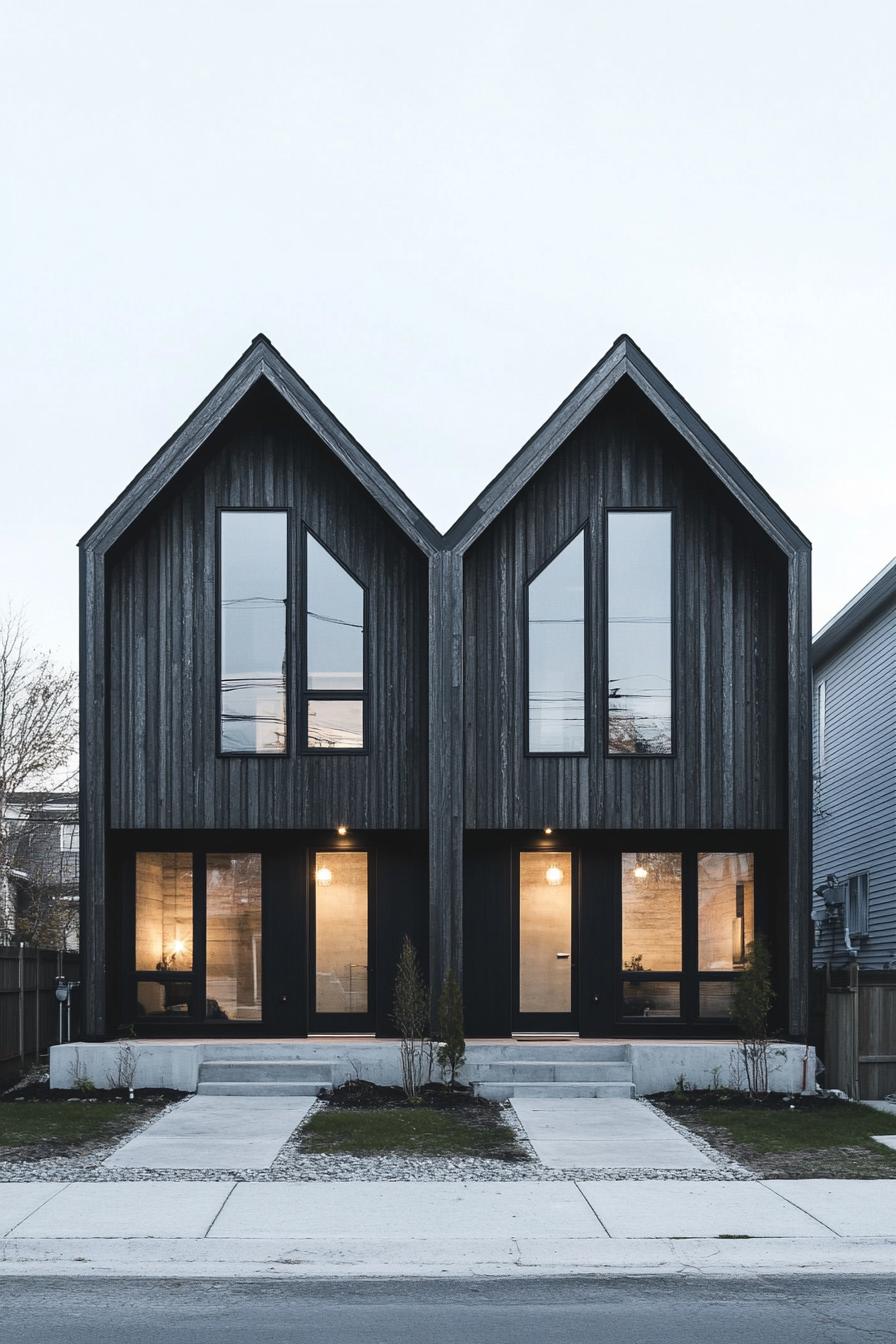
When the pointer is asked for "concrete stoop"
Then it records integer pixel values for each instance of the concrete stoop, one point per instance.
(264, 1078)
(549, 1071)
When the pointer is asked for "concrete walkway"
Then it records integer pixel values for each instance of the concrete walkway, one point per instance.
(586, 1132)
(231, 1133)
(396, 1228)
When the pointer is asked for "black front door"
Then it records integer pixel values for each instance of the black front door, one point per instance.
(341, 928)
(545, 967)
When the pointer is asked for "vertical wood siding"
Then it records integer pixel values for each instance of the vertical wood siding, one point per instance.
(730, 605)
(164, 771)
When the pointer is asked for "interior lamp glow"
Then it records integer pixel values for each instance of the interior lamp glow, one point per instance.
(323, 877)
(640, 872)
(554, 876)
(177, 946)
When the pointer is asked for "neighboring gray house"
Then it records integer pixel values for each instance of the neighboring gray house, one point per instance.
(854, 745)
(45, 869)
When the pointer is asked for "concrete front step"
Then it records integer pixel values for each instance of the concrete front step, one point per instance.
(265, 1071)
(571, 1051)
(232, 1089)
(554, 1071)
(557, 1091)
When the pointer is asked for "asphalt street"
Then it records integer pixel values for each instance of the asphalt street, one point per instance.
(557, 1311)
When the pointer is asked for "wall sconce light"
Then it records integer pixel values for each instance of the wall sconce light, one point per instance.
(554, 876)
(323, 877)
(342, 830)
(549, 830)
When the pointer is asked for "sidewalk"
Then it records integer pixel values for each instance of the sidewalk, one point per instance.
(401, 1229)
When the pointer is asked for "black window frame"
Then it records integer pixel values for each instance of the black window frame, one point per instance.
(305, 694)
(198, 1014)
(587, 652)
(690, 977)
(673, 639)
(289, 624)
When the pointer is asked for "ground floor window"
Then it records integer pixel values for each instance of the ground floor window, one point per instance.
(609, 937)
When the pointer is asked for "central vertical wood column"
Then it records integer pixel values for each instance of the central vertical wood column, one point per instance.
(446, 757)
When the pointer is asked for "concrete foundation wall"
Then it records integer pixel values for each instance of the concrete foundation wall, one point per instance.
(656, 1066)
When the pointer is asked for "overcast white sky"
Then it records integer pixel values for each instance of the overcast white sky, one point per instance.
(443, 215)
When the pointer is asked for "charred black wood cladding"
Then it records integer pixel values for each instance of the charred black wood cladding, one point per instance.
(730, 582)
(164, 769)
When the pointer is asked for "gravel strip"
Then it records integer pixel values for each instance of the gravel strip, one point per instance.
(292, 1164)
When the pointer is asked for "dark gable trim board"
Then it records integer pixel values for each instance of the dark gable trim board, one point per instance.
(445, 557)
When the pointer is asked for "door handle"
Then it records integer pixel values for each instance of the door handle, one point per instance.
(562, 956)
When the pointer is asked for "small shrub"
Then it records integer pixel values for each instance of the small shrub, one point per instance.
(411, 1017)
(751, 1005)
(452, 1046)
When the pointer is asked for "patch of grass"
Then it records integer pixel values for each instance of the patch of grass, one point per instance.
(841, 1125)
(416, 1131)
(32, 1129)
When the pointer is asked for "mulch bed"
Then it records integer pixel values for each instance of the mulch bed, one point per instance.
(357, 1093)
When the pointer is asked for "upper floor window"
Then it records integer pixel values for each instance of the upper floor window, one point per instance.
(335, 658)
(820, 699)
(857, 905)
(252, 570)
(639, 632)
(556, 656)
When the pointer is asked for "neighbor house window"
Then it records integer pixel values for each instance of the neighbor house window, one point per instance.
(233, 938)
(335, 690)
(69, 839)
(253, 596)
(820, 706)
(857, 905)
(556, 655)
(639, 633)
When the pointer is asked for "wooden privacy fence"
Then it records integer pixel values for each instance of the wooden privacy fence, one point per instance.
(29, 1013)
(860, 1033)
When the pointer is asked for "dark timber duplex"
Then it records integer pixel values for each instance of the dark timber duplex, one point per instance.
(446, 751)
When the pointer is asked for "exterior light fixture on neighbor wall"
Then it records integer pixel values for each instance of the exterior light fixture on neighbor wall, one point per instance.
(554, 876)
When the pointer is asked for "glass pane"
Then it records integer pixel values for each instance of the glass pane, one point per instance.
(233, 937)
(336, 725)
(164, 999)
(340, 932)
(335, 624)
(164, 912)
(253, 631)
(545, 933)
(639, 634)
(715, 998)
(557, 652)
(651, 912)
(725, 910)
(651, 998)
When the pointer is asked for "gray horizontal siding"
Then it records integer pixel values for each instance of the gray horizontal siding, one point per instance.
(855, 792)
